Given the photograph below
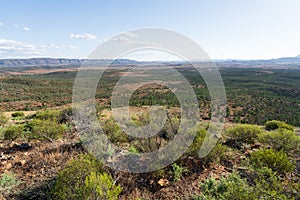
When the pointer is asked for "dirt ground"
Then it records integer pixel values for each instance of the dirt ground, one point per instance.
(36, 164)
(26, 113)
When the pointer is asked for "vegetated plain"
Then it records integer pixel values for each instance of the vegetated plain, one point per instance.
(42, 156)
(253, 95)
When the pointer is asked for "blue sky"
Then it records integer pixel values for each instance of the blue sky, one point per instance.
(256, 29)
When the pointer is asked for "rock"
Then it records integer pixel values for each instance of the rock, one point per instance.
(23, 162)
(163, 182)
(255, 146)
(230, 170)
(8, 166)
(13, 144)
(24, 146)
(242, 168)
(242, 157)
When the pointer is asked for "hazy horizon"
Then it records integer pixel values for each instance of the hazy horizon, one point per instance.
(141, 60)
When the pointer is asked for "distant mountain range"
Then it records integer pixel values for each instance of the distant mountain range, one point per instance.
(52, 62)
(61, 62)
(38, 62)
(285, 60)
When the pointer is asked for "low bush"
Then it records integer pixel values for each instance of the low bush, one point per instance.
(3, 120)
(196, 145)
(52, 115)
(35, 129)
(269, 185)
(18, 114)
(84, 178)
(281, 139)
(100, 186)
(213, 156)
(133, 150)
(44, 129)
(177, 171)
(278, 161)
(65, 116)
(143, 145)
(171, 127)
(244, 133)
(12, 132)
(261, 183)
(232, 187)
(159, 174)
(114, 133)
(275, 124)
(8, 181)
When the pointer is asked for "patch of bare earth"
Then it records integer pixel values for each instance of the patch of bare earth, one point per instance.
(41, 71)
(19, 105)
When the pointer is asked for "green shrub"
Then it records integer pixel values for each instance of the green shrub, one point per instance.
(243, 133)
(177, 171)
(3, 120)
(212, 189)
(18, 114)
(52, 115)
(196, 145)
(232, 187)
(8, 181)
(278, 161)
(12, 132)
(72, 181)
(143, 145)
(100, 186)
(142, 119)
(269, 185)
(213, 156)
(170, 128)
(262, 183)
(275, 124)
(114, 133)
(281, 139)
(35, 129)
(44, 129)
(65, 116)
(133, 150)
(158, 174)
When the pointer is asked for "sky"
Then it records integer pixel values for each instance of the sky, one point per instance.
(225, 29)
